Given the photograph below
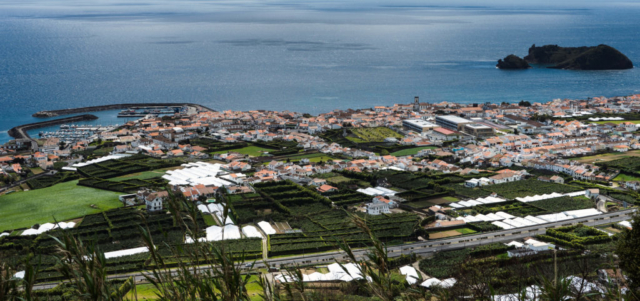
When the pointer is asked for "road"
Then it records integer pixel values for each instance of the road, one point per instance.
(419, 248)
(18, 183)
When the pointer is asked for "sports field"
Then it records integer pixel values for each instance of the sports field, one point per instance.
(411, 151)
(63, 201)
(254, 151)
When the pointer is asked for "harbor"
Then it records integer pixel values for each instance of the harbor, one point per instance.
(74, 133)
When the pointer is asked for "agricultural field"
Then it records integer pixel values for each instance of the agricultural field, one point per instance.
(127, 186)
(472, 193)
(564, 204)
(444, 234)
(624, 197)
(616, 121)
(466, 231)
(110, 230)
(323, 226)
(430, 202)
(625, 178)
(48, 181)
(576, 236)
(607, 157)
(125, 166)
(411, 151)
(529, 187)
(627, 165)
(377, 134)
(349, 197)
(63, 201)
(254, 151)
(514, 208)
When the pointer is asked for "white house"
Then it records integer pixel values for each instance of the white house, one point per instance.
(380, 205)
(152, 200)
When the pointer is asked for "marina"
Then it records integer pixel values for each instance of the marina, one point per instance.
(73, 133)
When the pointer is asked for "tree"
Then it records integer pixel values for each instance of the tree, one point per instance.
(384, 152)
(627, 251)
(202, 198)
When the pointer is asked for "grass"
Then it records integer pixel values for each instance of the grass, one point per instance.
(411, 151)
(338, 179)
(148, 292)
(466, 231)
(63, 201)
(377, 134)
(607, 157)
(254, 151)
(626, 178)
(37, 170)
(208, 220)
(145, 174)
(617, 121)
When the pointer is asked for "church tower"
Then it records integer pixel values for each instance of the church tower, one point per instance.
(416, 104)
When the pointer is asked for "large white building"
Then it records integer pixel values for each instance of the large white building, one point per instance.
(418, 125)
(452, 122)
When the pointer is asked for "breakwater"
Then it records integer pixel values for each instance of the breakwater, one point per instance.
(20, 132)
(120, 106)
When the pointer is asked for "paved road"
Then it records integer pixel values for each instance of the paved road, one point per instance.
(422, 247)
(18, 183)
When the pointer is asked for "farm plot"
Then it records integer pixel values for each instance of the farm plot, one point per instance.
(627, 165)
(514, 208)
(46, 181)
(322, 226)
(63, 201)
(124, 166)
(126, 186)
(529, 187)
(322, 232)
(111, 230)
(251, 207)
(564, 204)
(349, 197)
(377, 134)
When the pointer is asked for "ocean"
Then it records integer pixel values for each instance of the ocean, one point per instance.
(306, 56)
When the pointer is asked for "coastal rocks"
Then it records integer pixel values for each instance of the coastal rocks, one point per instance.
(45, 114)
(512, 62)
(601, 57)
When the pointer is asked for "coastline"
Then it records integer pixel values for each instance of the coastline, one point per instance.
(20, 132)
(53, 113)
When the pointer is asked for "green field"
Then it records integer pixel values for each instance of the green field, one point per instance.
(254, 151)
(377, 134)
(625, 178)
(607, 157)
(617, 121)
(148, 292)
(411, 151)
(63, 201)
(466, 231)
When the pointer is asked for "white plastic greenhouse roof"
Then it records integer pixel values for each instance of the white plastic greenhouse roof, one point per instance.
(411, 273)
(215, 233)
(197, 173)
(336, 273)
(101, 159)
(266, 227)
(447, 283)
(48, 227)
(251, 231)
(126, 252)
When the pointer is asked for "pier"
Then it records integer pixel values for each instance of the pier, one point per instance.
(121, 106)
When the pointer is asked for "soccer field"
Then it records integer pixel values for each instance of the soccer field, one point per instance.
(63, 201)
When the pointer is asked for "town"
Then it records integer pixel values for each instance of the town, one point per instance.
(453, 192)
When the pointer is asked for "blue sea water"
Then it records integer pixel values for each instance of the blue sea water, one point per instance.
(308, 56)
